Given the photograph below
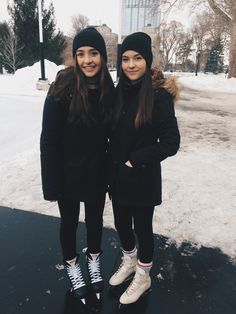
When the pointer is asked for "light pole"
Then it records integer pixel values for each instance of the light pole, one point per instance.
(118, 59)
(41, 41)
(42, 83)
(197, 60)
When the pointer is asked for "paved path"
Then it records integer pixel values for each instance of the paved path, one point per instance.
(185, 280)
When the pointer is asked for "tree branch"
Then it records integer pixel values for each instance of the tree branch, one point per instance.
(219, 11)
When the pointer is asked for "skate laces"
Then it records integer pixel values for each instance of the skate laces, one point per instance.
(75, 275)
(121, 266)
(133, 285)
(94, 270)
(124, 265)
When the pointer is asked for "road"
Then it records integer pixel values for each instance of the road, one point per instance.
(207, 118)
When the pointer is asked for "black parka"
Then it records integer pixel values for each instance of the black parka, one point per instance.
(144, 147)
(73, 155)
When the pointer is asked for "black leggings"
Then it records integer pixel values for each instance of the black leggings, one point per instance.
(141, 217)
(69, 211)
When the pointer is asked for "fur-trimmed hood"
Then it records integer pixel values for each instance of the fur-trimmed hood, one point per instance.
(169, 83)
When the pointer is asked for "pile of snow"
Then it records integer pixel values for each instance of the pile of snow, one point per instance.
(208, 82)
(23, 82)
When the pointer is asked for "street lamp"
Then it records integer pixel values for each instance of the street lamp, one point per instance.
(197, 60)
(42, 83)
(118, 61)
(41, 41)
(118, 58)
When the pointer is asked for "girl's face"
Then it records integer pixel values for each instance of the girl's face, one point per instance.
(133, 65)
(89, 60)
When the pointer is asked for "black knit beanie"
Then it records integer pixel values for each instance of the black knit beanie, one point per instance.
(140, 42)
(90, 37)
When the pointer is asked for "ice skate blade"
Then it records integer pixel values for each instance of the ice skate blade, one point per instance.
(122, 305)
(76, 296)
(116, 291)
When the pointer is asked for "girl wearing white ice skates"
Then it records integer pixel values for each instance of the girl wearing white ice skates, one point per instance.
(145, 134)
(74, 152)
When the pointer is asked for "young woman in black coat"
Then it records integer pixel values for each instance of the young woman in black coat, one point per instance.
(74, 152)
(146, 133)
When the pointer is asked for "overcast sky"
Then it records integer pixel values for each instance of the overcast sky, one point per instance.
(99, 12)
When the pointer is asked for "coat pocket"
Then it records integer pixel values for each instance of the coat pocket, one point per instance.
(138, 186)
(131, 181)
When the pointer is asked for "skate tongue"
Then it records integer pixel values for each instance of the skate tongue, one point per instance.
(72, 262)
(94, 256)
(140, 271)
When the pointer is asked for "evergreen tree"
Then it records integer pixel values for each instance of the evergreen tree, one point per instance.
(215, 62)
(24, 14)
(54, 43)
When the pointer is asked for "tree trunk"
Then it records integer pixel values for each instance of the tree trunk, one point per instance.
(232, 22)
(232, 49)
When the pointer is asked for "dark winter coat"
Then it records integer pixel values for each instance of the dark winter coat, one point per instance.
(144, 147)
(73, 156)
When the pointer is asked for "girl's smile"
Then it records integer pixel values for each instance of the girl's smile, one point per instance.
(89, 60)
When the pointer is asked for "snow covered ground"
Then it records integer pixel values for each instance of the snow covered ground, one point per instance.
(199, 184)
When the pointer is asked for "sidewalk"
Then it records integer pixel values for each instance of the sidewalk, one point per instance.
(186, 280)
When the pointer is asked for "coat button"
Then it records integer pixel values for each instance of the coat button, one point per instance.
(144, 166)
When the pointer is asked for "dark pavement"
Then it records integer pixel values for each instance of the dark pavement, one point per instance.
(185, 280)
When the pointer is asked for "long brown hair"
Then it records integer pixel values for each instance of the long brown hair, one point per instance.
(72, 84)
(145, 107)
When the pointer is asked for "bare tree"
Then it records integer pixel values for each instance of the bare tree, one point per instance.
(10, 52)
(170, 39)
(184, 51)
(224, 9)
(79, 22)
(206, 30)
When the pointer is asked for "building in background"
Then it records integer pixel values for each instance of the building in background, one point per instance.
(111, 40)
(136, 14)
(153, 33)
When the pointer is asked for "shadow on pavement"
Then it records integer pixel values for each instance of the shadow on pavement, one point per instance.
(184, 279)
